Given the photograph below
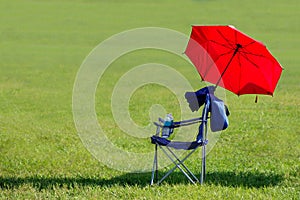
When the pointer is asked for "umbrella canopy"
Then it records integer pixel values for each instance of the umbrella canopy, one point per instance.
(231, 59)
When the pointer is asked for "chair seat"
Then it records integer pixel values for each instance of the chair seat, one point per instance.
(177, 144)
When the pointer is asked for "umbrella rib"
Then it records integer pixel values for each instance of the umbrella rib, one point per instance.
(249, 60)
(244, 53)
(246, 45)
(224, 45)
(232, 44)
(207, 70)
(239, 59)
(235, 35)
(209, 67)
(253, 54)
(244, 50)
(223, 54)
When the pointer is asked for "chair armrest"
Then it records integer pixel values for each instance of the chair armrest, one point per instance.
(179, 123)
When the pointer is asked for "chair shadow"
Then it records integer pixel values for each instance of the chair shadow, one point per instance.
(229, 179)
(40, 182)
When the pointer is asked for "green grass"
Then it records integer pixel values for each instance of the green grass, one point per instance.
(42, 45)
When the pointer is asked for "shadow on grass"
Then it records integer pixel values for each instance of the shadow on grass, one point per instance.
(243, 179)
(229, 179)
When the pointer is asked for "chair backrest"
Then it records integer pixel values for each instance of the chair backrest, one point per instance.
(202, 133)
(213, 105)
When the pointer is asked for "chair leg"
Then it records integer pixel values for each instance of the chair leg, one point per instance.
(154, 168)
(181, 163)
(178, 165)
(203, 162)
(156, 165)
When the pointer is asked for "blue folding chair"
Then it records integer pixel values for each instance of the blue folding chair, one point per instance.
(204, 97)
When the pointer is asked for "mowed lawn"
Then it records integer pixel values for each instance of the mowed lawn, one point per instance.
(42, 46)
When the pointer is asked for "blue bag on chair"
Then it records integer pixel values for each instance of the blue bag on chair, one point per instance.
(218, 115)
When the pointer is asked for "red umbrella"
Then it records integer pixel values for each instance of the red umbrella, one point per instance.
(229, 58)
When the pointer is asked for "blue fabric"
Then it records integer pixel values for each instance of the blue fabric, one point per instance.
(202, 94)
(159, 140)
(176, 145)
(218, 118)
(198, 98)
(219, 112)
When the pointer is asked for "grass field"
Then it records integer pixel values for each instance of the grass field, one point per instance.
(42, 45)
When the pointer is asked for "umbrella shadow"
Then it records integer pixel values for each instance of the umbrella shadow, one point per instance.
(228, 179)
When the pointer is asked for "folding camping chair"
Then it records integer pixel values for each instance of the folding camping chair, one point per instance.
(206, 97)
(165, 145)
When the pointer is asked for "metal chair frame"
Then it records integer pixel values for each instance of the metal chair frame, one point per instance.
(179, 163)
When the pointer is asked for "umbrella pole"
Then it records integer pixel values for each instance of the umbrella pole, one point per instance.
(234, 53)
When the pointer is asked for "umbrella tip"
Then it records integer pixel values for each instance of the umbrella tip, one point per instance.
(238, 45)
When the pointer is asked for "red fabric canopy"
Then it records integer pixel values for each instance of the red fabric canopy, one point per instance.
(229, 58)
